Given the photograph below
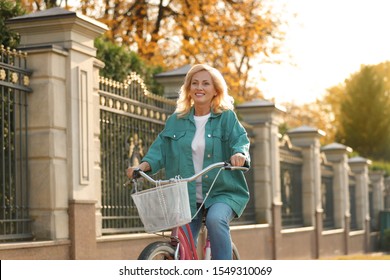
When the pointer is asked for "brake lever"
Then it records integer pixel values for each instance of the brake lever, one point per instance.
(133, 181)
(228, 165)
(136, 173)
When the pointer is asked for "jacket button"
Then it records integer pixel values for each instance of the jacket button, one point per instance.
(209, 156)
(209, 135)
(206, 176)
(174, 136)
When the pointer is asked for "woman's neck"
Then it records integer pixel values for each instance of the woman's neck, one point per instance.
(202, 111)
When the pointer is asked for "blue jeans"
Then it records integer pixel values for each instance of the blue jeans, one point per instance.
(218, 217)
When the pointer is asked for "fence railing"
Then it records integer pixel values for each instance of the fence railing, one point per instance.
(130, 120)
(352, 203)
(15, 223)
(327, 195)
(291, 161)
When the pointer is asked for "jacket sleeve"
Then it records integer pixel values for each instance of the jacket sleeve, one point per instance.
(155, 155)
(238, 139)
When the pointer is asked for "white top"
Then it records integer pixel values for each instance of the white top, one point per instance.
(198, 147)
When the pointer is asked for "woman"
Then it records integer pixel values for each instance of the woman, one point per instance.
(204, 130)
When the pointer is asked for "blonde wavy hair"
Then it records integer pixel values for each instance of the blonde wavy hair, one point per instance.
(221, 102)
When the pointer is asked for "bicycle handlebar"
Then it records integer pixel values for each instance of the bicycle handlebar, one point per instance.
(224, 165)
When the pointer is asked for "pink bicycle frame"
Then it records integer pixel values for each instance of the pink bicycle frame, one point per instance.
(186, 245)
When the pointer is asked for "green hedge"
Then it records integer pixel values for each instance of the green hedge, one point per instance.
(381, 165)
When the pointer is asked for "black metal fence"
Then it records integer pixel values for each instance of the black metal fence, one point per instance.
(373, 226)
(15, 223)
(327, 195)
(352, 203)
(291, 161)
(130, 120)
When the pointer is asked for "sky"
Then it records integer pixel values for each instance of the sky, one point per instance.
(328, 40)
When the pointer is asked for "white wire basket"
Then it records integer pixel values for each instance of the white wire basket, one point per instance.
(163, 207)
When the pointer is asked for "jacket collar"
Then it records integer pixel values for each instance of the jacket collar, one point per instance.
(191, 114)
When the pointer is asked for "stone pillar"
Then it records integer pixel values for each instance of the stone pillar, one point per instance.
(337, 154)
(308, 139)
(264, 117)
(172, 81)
(63, 112)
(377, 183)
(359, 167)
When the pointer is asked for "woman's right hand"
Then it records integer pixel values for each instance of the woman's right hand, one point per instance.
(144, 166)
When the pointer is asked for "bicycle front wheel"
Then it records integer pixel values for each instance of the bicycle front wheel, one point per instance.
(236, 255)
(158, 250)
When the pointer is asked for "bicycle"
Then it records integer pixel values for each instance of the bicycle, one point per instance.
(179, 246)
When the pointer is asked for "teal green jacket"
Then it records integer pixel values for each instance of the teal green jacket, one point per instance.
(225, 136)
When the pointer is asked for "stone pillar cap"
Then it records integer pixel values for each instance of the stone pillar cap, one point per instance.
(358, 160)
(43, 18)
(336, 147)
(260, 103)
(306, 130)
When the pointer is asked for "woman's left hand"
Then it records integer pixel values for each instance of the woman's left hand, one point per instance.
(238, 159)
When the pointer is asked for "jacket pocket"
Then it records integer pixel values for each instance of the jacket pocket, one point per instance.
(173, 135)
(220, 145)
(173, 144)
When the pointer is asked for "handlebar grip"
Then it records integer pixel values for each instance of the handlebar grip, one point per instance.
(136, 173)
(228, 166)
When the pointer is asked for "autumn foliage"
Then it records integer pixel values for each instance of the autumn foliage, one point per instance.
(227, 34)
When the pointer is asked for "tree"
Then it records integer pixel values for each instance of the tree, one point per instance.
(227, 34)
(313, 114)
(119, 62)
(329, 106)
(9, 9)
(365, 112)
(38, 5)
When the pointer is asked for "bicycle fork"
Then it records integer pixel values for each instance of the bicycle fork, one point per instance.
(175, 242)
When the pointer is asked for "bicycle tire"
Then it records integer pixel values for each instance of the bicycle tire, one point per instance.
(236, 255)
(158, 250)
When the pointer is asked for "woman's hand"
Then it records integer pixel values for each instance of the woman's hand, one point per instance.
(238, 159)
(144, 166)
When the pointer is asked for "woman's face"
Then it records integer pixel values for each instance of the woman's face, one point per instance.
(202, 88)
